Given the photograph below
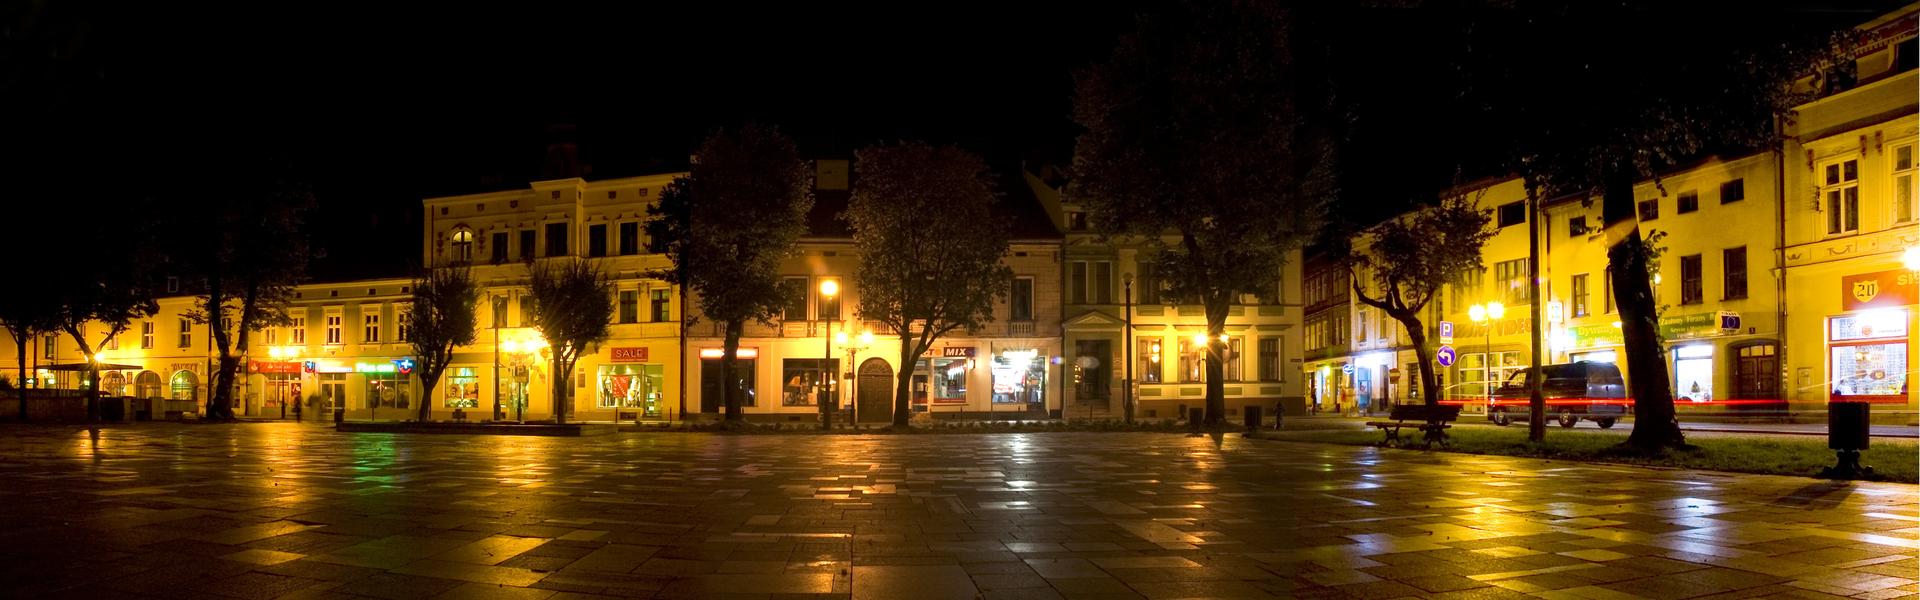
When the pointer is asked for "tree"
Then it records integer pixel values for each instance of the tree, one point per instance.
(109, 288)
(1410, 259)
(1196, 143)
(916, 269)
(25, 316)
(572, 309)
(440, 319)
(245, 252)
(727, 225)
(1594, 116)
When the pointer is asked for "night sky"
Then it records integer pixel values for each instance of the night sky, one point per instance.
(379, 107)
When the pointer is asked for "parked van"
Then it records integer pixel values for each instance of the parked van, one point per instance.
(1580, 390)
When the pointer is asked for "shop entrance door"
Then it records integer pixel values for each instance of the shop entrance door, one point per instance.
(874, 390)
(334, 387)
(1757, 374)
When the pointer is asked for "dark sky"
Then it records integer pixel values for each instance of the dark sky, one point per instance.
(379, 106)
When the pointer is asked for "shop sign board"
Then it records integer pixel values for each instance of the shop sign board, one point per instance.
(1884, 289)
(1594, 336)
(630, 354)
(1694, 325)
(962, 351)
(274, 367)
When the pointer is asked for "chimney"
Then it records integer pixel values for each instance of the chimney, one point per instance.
(563, 155)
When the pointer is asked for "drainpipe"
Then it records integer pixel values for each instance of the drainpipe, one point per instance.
(1780, 254)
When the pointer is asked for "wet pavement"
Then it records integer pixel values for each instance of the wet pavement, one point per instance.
(260, 510)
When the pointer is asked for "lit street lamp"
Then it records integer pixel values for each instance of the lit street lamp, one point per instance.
(1486, 315)
(828, 290)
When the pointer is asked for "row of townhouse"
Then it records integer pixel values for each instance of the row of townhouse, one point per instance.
(1053, 349)
(1787, 276)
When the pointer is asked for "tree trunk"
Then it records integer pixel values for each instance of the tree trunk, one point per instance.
(429, 377)
(562, 372)
(1429, 380)
(1536, 398)
(903, 382)
(221, 405)
(729, 365)
(93, 392)
(20, 343)
(1217, 305)
(1653, 423)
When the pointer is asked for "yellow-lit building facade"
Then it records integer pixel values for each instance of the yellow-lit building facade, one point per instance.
(1785, 277)
(1852, 226)
(1107, 284)
(1010, 368)
(634, 374)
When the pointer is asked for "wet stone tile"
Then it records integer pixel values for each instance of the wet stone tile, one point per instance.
(990, 516)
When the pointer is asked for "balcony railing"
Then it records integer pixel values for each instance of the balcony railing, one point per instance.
(1020, 328)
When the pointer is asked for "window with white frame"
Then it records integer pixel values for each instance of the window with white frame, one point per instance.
(299, 337)
(1510, 276)
(403, 322)
(1090, 282)
(1906, 198)
(371, 333)
(462, 244)
(50, 344)
(333, 327)
(186, 333)
(1840, 196)
(271, 335)
(146, 335)
(1230, 361)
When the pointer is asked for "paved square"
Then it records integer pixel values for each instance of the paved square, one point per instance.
(278, 510)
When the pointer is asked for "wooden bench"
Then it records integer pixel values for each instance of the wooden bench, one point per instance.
(1433, 421)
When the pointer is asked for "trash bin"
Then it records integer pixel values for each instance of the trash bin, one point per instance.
(1253, 417)
(339, 416)
(1194, 417)
(1847, 425)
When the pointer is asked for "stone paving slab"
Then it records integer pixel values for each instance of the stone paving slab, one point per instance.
(300, 511)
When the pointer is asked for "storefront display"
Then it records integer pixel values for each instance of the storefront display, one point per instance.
(801, 378)
(631, 387)
(1019, 377)
(1868, 354)
(463, 388)
(1693, 373)
(949, 377)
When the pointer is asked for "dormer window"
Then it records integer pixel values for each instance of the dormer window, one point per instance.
(1076, 221)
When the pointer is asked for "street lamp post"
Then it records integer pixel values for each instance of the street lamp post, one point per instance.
(1126, 388)
(1486, 315)
(853, 351)
(829, 289)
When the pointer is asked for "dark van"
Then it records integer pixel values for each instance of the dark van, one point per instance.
(1581, 390)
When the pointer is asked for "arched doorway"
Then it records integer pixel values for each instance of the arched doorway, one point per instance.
(147, 385)
(113, 384)
(184, 386)
(875, 392)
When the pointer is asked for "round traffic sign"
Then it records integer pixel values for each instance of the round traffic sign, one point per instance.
(1445, 356)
